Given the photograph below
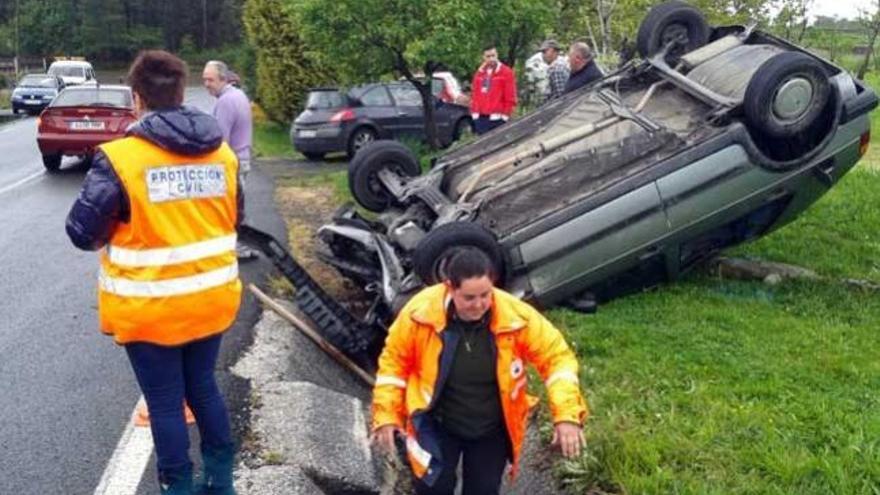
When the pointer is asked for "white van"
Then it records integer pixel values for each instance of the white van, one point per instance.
(73, 72)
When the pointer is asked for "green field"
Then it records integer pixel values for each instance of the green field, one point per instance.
(719, 386)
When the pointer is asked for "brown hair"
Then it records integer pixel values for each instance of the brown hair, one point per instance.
(159, 78)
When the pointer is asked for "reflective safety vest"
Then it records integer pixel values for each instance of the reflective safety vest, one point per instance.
(416, 361)
(170, 275)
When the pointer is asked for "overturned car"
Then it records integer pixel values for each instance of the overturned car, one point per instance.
(716, 136)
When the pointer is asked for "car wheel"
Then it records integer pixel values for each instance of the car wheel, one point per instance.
(463, 128)
(52, 162)
(786, 95)
(315, 157)
(363, 180)
(360, 138)
(672, 21)
(434, 250)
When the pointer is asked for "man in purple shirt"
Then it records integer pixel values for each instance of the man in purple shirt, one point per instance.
(233, 113)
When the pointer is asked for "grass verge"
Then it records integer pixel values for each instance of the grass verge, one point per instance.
(714, 386)
(271, 140)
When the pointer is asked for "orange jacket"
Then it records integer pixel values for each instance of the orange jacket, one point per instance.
(412, 362)
(169, 275)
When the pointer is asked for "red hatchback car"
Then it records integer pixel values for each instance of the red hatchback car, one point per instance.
(80, 118)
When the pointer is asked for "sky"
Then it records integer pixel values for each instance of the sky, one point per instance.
(841, 8)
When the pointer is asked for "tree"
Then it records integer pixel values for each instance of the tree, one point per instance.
(284, 69)
(870, 22)
(374, 38)
(791, 20)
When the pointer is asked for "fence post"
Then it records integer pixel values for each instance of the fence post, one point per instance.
(15, 67)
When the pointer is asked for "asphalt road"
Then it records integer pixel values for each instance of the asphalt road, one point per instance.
(66, 391)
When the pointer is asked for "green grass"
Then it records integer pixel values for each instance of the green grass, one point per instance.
(838, 236)
(711, 386)
(5, 96)
(338, 180)
(271, 139)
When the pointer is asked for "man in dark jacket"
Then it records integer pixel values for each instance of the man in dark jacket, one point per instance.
(583, 68)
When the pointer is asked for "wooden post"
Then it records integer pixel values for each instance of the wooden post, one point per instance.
(311, 333)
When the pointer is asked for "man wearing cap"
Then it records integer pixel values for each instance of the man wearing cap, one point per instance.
(557, 68)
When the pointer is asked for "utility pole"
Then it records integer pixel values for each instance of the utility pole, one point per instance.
(204, 24)
(17, 42)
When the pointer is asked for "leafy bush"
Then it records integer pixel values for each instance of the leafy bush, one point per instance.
(285, 69)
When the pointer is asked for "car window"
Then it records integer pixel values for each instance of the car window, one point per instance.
(37, 82)
(406, 95)
(68, 71)
(93, 97)
(376, 97)
(325, 99)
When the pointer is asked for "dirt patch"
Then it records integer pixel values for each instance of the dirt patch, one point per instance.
(305, 209)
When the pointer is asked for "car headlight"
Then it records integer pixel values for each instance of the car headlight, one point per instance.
(16, 97)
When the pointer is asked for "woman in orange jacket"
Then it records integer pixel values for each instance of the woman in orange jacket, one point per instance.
(452, 379)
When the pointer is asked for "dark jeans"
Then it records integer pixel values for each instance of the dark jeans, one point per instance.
(166, 376)
(483, 125)
(483, 462)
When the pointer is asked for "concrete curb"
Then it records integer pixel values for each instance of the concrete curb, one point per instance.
(308, 418)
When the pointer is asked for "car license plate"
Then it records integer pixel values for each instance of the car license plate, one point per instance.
(32, 102)
(308, 133)
(86, 125)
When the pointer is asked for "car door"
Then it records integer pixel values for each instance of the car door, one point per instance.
(408, 103)
(377, 107)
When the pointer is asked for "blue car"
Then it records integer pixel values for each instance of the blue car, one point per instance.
(34, 92)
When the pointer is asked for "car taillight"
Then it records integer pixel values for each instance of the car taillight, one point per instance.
(864, 141)
(342, 116)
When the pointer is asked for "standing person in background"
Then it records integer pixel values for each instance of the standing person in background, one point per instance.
(452, 381)
(165, 202)
(557, 68)
(493, 93)
(233, 113)
(583, 68)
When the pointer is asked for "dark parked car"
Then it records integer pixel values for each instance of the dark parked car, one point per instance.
(338, 120)
(715, 137)
(81, 118)
(34, 92)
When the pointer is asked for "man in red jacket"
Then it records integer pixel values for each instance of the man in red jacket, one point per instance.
(493, 93)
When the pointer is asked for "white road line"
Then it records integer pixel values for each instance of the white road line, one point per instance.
(22, 181)
(126, 467)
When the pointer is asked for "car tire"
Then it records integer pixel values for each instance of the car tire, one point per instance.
(786, 95)
(359, 139)
(463, 128)
(52, 162)
(363, 181)
(667, 21)
(314, 157)
(433, 251)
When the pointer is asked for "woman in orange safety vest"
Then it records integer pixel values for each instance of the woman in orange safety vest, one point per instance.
(163, 204)
(452, 380)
